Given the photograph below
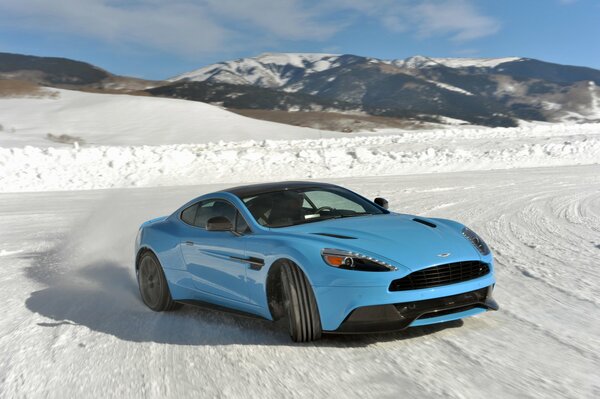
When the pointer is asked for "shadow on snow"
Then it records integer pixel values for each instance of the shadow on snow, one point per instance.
(103, 296)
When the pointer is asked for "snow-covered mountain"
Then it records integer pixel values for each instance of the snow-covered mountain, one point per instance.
(488, 91)
(414, 91)
(274, 70)
(266, 70)
(419, 61)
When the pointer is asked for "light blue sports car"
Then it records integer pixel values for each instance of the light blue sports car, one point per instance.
(324, 257)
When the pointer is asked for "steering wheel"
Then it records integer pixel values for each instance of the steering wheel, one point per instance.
(324, 208)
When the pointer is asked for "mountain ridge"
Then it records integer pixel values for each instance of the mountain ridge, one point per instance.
(488, 91)
(483, 91)
(325, 59)
(66, 73)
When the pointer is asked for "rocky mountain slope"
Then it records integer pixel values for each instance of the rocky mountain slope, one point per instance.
(487, 91)
(65, 73)
(352, 90)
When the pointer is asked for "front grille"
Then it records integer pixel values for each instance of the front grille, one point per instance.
(436, 276)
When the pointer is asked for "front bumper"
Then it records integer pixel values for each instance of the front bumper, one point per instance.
(337, 303)
(394, 317)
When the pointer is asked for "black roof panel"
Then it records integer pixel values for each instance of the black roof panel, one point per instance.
(255, 189)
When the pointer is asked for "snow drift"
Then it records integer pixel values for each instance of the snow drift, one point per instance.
(68, 168)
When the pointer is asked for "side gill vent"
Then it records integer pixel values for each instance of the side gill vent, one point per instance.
(336, 236)
(425, 222)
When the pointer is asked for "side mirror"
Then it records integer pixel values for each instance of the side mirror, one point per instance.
(219, 223)
(382, 202)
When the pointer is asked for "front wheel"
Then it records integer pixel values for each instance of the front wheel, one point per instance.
(153, 284)
(300, 305)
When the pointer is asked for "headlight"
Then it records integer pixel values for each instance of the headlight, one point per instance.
(477, 242)
(354, 261)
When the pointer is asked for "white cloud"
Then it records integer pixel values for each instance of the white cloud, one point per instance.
(177, 26)
(191, 27)
(287, 19)
(458, 19)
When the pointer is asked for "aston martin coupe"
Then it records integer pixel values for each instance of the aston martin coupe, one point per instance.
(322, 256)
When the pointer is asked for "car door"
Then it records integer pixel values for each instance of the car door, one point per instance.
(213, 259)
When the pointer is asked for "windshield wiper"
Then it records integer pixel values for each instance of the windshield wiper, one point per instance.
(351, 215)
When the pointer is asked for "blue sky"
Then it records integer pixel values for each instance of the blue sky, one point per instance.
(157, 39)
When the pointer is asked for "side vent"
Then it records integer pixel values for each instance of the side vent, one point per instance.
(335, 236)
(425, 222)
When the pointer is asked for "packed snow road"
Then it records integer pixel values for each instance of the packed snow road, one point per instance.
(73, 324)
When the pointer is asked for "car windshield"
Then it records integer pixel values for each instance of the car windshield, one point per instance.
(306, 205)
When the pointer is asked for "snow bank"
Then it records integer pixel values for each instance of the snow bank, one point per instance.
(40, 169)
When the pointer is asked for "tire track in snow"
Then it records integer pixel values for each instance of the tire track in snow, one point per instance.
(527, 349)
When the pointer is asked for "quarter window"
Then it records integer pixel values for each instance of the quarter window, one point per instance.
(199, 213)
(189, 214)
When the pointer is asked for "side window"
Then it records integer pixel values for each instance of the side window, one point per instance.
(240, 224)
(189, 214)
(211, 208)
(199, 213)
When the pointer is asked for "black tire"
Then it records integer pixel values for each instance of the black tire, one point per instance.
(300, 305)
(153, 284)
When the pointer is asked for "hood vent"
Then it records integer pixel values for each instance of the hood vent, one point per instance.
(425, 222)
(336, 236)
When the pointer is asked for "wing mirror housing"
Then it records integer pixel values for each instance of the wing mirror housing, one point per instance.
(382, 202)
(219, 223)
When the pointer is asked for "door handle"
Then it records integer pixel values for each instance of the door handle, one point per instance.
(189, 243)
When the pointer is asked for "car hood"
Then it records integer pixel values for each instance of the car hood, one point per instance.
(392, 237)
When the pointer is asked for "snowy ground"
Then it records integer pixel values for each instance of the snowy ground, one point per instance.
(116, 119)
(73, 324)
(133, 141)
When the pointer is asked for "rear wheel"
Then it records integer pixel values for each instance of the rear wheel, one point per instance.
(300, 305)
(153, 284)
